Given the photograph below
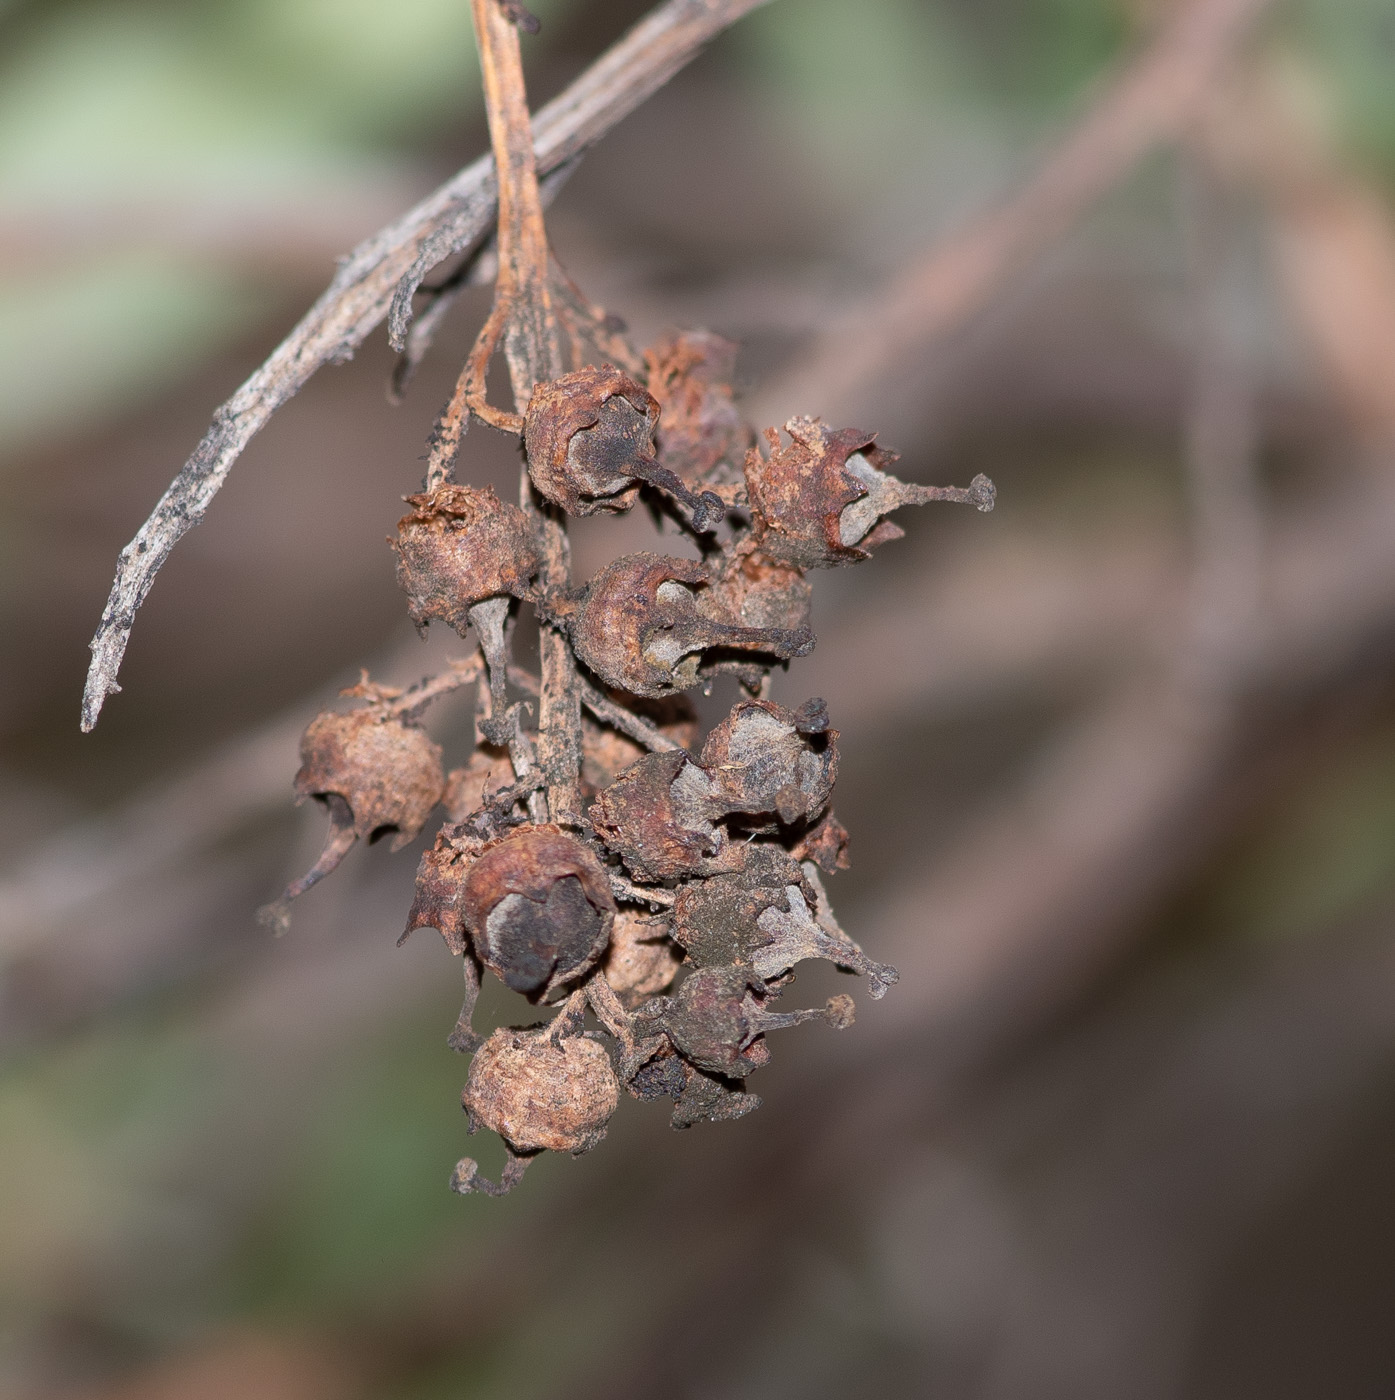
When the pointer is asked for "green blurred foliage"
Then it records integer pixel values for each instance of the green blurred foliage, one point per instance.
(364, 1199)
(1319, 855)
(114, 107)
(1352, 43)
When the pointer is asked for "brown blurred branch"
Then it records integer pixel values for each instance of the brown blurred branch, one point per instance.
(1333, 234)
(381, 275)
(1148, 102)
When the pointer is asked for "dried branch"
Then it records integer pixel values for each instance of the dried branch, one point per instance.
(381, 275)
(1149, 102)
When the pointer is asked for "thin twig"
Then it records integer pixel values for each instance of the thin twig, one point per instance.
(525, 321)
(631, 725)
(478, 270)
(384, 269)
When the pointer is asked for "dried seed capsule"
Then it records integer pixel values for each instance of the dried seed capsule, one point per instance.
(539, 1092)
(759, 592)
(641, 962)
(711, 1098)
(764, 758)
(825, 843)
(538, 909)
(717, 1016)
(663, 1075)
(459, 546)
(487, 772)
(375, 772)
(819, 501)
(440, 886)
(387, 770)
(589, 437)
(639, 627)
(702, 437)
(653, 816)
(806, 928)
(717, 921)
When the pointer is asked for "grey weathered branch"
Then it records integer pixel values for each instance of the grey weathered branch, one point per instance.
(380, 276)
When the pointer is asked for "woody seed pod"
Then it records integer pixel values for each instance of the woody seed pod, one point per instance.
(538, 908)
(459, 546)
(639, 627)
(717, 921)
(375, 772)
(538, 1092)
(718, 1015)
(386, 770)
(641, 962)
(440, 884)
(819, 501)
(702, 436)
(710, 1098)
(825, 843)
(759, 592)
(764, 758)
(652, 817)
(589, 437)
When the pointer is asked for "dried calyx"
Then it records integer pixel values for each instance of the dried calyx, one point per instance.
(821, 499)
(638, 627)
(702, 437)
(375, 771)
(594, 858)
(538, 908)
(589, 440)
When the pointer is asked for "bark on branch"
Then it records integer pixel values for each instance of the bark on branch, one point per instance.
(378, 280)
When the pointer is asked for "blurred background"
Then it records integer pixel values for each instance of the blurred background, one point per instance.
(1118, 759)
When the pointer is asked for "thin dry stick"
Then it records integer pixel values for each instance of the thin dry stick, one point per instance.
(380, 277)
(1149, 102)
(525, 319)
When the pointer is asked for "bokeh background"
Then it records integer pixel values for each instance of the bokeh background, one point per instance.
(1118, 759)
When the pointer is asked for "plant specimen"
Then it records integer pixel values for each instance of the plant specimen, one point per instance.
(591, 860)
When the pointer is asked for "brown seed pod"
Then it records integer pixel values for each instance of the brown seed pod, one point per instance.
(825, 843)
(759, 592)
(589, 437)
(387, 770)
(539, 1092)
(819, 501)
(459, 546)
(639, 628)
(538, 908)
(702, 437)
(718, 1015)
(375, 772)
(805, 928)
(663, 1075)
(488, 771)
(439, 887)
(653, 817)
(641, 962)
(717, 921)
(711, 1098)
(763, 758)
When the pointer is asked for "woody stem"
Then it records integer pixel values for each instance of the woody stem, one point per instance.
(526, 317)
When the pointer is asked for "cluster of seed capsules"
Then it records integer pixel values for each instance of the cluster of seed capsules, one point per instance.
(674, 909)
